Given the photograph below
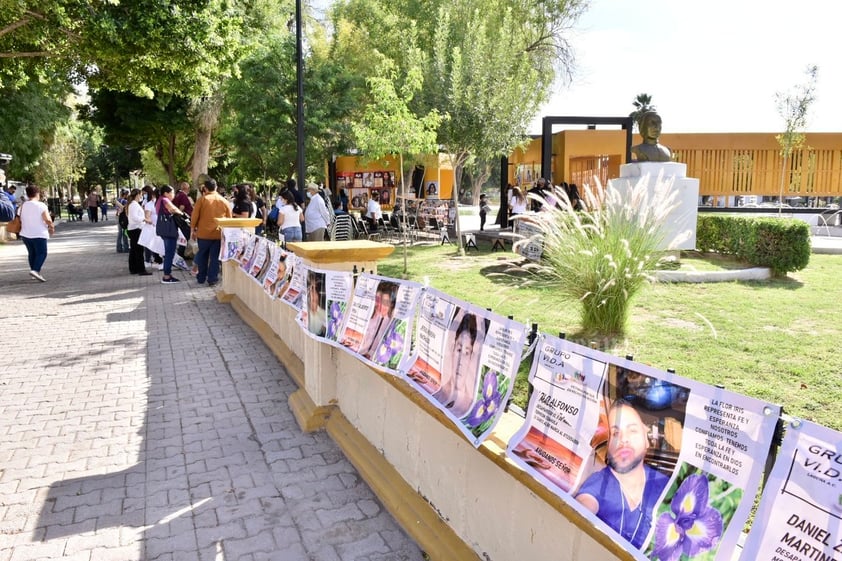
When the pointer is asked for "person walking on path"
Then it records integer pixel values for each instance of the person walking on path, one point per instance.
(92, 202)
(36, 229)
(167, 208)
(122, 221)
(206, 232)
(137, 217)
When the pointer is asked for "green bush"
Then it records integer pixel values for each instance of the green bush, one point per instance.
(782, 244)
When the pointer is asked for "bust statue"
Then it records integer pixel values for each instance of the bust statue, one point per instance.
(649, 150)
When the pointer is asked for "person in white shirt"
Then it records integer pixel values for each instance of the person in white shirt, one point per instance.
(373, 214)
(316, 215)
(36, 229)
(517, 202)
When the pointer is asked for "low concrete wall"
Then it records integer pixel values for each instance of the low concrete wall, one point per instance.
(458, 502)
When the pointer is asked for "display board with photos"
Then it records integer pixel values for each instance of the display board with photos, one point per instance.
(425, 209)
(378, 324)
(665, 464)
(363, 186)
(464, 361)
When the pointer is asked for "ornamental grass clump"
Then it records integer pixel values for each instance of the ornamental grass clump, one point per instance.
(602, 256)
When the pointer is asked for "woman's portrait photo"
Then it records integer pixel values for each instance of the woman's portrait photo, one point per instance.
(460, 368)
(432, 191)
(316, 314)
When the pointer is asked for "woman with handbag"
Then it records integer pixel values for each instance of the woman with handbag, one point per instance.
(136, 219)
(167, 229)
(36, 228)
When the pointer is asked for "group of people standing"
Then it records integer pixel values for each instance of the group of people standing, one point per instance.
(298, 213)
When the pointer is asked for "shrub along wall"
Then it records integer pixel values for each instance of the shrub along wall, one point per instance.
(782, 244)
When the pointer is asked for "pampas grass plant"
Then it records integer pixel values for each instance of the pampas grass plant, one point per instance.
(602, 256)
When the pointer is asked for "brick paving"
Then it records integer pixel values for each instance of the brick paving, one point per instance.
(141, 421)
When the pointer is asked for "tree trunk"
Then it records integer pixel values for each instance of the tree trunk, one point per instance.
(201, 154)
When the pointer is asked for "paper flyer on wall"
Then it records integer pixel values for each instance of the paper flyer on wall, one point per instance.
(251, 242)
(464, 361)
(259, 261)
(294, 294)
(674, 465)
(326, 298)
(800, 512)
(279, 272)
(379, 320)
(233, 240)
(563, 416)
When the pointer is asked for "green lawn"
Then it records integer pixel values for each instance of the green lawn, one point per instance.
(775, 340)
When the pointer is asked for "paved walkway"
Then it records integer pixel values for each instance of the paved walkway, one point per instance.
(141, 421)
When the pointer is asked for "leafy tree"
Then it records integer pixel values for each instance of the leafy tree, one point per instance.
(642, 103)
(162, 124)
(63, 163)
(142, 46)
(793, 108)
(389, 127)
(29, 117)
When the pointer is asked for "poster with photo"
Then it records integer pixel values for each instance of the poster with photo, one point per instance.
(379, 320)
(800, 512)
(279, 272)
(251, 242)
(294, 294)
(326, 298)
(259, 261)
(673, 464)
(464, 361)
(563, 416)
(358, 199)
(431, 190)
(233, 241)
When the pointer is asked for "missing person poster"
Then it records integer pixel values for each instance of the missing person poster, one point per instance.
(464, 361)
(326, 298)
(279, 272)
(251, 242)
(673, 465)
(233, 240)
(294, 294)
(800, 512)
(563, 417)
(379, 321)
(259, 262)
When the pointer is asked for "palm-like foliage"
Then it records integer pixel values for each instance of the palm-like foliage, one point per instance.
(642, 103)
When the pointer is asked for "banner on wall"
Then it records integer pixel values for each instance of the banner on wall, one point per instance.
(464, 361)
(233, 241)
(326, 298)
(800, 512)
(667, 464)
(379, 320)
(279, 272)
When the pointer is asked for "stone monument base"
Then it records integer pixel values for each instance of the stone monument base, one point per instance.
(680, 226)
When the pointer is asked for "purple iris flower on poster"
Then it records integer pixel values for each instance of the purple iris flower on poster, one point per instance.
(488, 404)
(390, 349)
(336, 311)
(692, 527)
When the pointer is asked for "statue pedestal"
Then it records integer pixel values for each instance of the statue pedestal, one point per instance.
(680, 225)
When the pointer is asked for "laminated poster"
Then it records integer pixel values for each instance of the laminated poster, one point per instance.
(326, 298)
(233, 240)
(464, 361)
(295, 292)
(800, 513)
(259, 261)
(668, 465)
(279, 272)
(251, 242)
(379, 320)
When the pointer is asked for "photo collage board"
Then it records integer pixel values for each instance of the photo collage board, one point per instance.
(668, 466)
(361, 186)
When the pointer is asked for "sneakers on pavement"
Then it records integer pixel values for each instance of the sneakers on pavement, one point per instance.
(36, 275)
(171, 280)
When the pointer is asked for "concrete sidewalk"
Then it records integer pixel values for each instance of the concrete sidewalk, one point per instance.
(141, 421)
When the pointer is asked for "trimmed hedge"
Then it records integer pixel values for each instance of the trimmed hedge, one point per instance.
(782, 244)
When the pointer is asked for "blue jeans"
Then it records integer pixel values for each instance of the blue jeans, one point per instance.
(122, 240)
(207, 260)
(292, 234)
(169, 253)
(36, 248)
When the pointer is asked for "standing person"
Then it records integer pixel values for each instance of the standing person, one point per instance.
(36, 228)
(343, 200)
(316, 215)
(104, 208)
(242, 203)
(373, 214)
(289, 217)
(137, 218)
(296, 193)
(182, 199)
(150, 209)
(625, 494)
(120, 204)
(165, 206)
(206, 232)
(92, 201)
(517, 202)
(484, 209)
